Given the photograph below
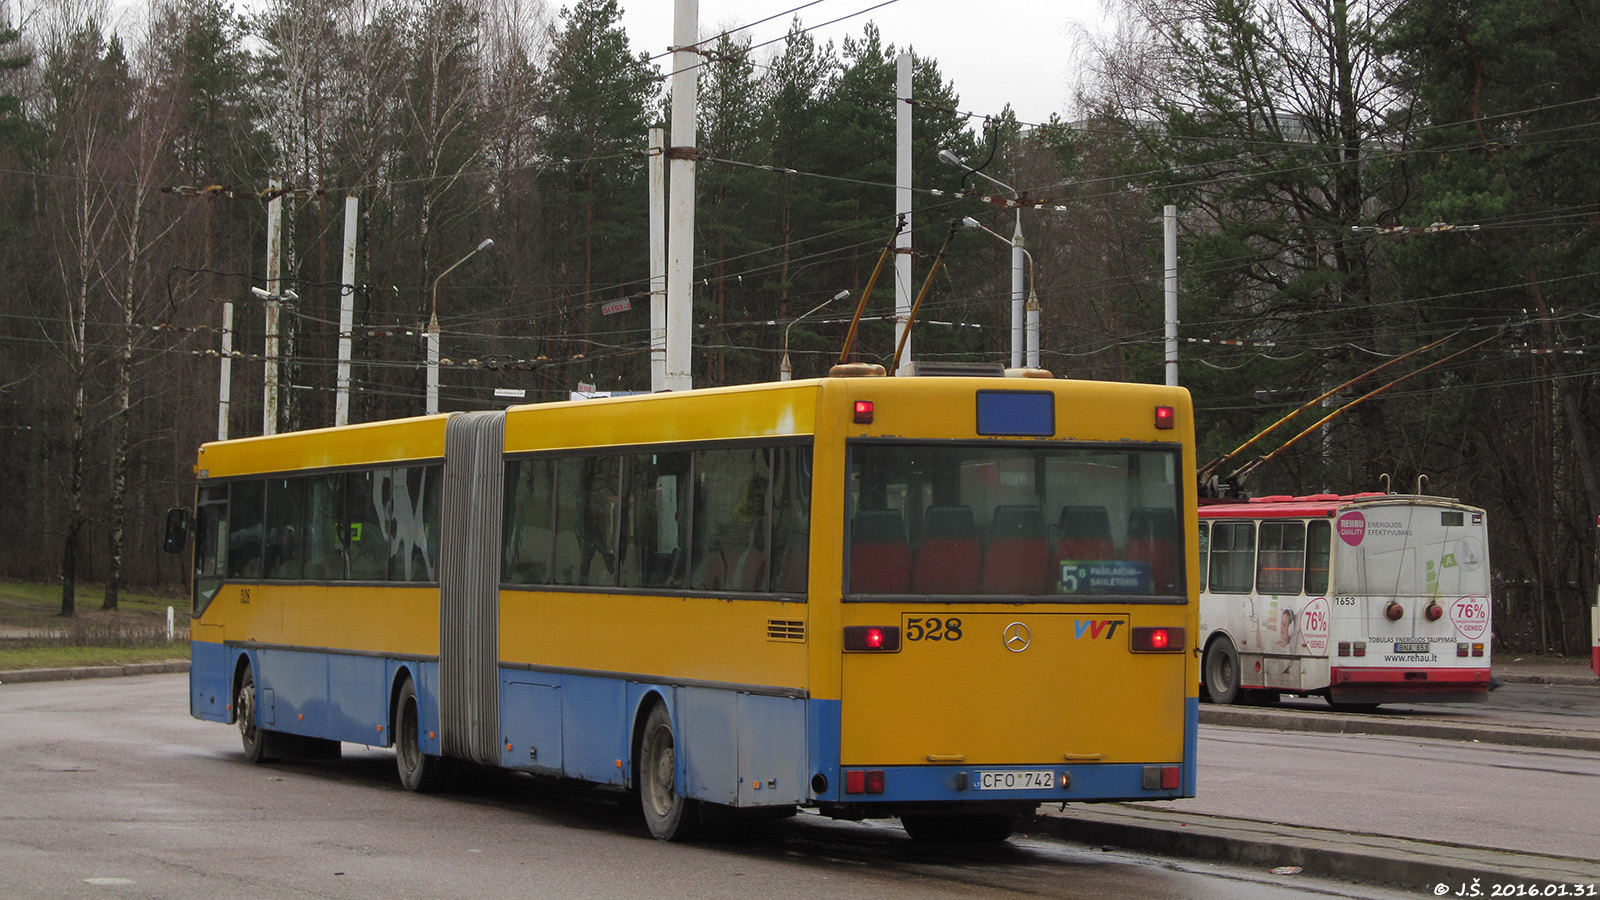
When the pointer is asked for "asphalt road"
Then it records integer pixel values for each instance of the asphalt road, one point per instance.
(1443, 794)
(110, 790)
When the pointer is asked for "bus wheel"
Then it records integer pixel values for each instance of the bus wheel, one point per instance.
(964, 828)
(419, 772)
(670, 815)
(1222, 672)
(251, 734)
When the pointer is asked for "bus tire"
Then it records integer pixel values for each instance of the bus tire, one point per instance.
(1222, 672)
(959, 828)
(251, 734)
(419, 772)
(669, 815)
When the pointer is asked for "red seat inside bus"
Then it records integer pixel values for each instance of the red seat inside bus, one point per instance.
(1017, 560)
(948, 558)
(1085, 534)
(880, 557)
(1152, 538)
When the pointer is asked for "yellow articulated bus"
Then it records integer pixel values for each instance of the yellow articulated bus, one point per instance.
(870, 596)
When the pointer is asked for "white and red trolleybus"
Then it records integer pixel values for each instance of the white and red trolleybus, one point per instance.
(1362, 599)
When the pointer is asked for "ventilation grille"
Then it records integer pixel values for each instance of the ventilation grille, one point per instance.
(786, 630)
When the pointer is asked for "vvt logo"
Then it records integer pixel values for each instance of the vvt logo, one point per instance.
(1096, 628)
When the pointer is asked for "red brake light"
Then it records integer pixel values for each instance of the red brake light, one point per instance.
(882, 638)
(863, 781)
(863, 412)
(1158, 638)
(1166, 417)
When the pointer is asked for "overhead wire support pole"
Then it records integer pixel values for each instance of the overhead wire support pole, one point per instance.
(902, 203)
(680, 226)
(270, 368)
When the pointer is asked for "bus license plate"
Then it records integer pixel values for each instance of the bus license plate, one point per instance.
(1038, 779)
(1417, 647)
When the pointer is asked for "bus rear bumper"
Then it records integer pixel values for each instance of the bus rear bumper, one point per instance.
(1405, 685)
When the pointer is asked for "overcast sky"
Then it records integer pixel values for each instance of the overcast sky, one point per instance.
(997, 52)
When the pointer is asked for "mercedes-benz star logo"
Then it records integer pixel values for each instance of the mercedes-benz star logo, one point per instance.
(1017, 637)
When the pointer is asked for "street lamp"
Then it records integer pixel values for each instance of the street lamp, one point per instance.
(949, 158)
(433, 329)
(784, 369)
(1033, 296)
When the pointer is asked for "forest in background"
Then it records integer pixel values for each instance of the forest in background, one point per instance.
(1355, 180)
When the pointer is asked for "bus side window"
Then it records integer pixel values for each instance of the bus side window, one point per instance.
(365, 535)
(1205, 552)
(211, 545)
(245, 520)
(286, 526)
(1233, 557)
(1282, 559)
(530, 541)
(1319, 548)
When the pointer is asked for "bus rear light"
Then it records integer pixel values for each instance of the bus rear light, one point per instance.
(1393, 611)
(1158, 638)
(1461, 649)
(863, 412)
(872, 638)
(1359, 648)
(863, 781)
(1433, 611)
(1166, 417)
(1344, 648)
(1161, 778)
(1477, 650)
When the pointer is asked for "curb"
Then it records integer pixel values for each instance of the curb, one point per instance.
(1290, 720)
(26, 676)
(1325, 853)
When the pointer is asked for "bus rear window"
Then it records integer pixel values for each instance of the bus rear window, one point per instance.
(1006, 521)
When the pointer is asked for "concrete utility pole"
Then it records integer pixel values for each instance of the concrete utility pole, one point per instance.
(269, 408)
(347, 313)
(225, 376)
(680, 226)
(1169, 227)
(658, 259)
(902, 206)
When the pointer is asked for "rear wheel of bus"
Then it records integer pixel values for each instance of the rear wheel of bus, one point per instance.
(670, 815)
(959, 828)
(1222, 671)
(419, 772)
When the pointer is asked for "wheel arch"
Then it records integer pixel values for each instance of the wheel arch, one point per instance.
(647, 701)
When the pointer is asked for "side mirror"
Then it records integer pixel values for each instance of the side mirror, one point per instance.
(178, 522)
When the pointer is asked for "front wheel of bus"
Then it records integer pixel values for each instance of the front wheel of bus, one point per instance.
(419, 772)
(670, 815)
(962, 828)
(251, 734)
(1222, 672)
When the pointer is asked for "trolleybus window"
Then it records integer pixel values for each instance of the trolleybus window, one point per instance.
(1281, 564)
(1233, 557)
(1319, 545)
(997, 520)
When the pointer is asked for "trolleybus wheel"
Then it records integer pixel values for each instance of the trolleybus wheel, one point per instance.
(419, 772)
(251, 734)
(670, 815)
(1222, 672)
(962, 828)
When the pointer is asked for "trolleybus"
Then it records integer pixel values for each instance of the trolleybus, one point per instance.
(1363, 599)
(864, 595)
